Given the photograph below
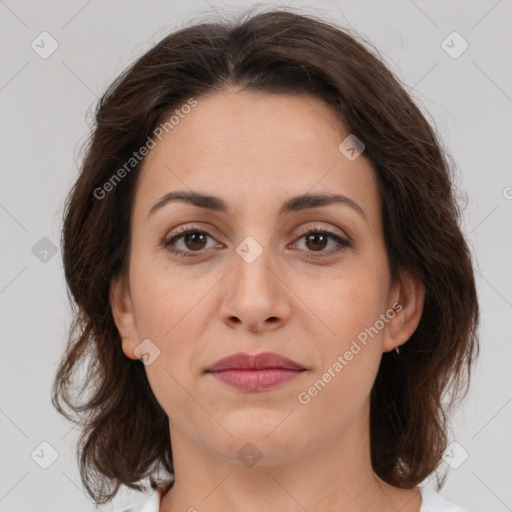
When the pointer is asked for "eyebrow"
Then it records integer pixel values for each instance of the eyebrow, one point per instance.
(294, 204)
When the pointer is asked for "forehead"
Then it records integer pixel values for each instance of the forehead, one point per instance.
(255, 150)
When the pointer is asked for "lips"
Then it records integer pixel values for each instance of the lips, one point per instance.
(259, 372)
(262, 361)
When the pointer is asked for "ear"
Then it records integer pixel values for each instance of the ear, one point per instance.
(406, 299)
(124, 318)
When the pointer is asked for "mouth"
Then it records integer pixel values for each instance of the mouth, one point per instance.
(255, 372)
(262, 361)
(256, 380)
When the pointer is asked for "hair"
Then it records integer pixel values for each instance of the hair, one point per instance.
(125, 431)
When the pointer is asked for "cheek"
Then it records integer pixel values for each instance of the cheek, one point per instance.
(165, 298)
(350, 307)
(168, 310)
(352, 301)
(349, 359)
(173, 309)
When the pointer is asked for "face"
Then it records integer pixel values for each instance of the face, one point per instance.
(310, 283)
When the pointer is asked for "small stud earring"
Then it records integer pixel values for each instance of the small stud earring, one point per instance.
(397, 350)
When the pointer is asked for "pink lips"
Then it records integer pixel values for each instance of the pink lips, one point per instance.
(255, 372)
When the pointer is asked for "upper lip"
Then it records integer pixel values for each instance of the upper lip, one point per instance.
(262, 361)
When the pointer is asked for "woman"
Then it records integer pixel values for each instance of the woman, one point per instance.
(272, 288)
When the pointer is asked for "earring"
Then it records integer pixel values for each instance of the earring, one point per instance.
(397, 350)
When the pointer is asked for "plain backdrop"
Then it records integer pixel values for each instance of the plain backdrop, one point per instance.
(44, 107)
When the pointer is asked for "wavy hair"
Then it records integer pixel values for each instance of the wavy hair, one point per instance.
(124, 431)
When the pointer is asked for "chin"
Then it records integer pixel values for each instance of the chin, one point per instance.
(262, 432)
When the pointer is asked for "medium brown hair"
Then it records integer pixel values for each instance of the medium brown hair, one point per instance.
(125, 432)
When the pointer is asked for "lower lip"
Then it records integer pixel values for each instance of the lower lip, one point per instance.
(256, 380)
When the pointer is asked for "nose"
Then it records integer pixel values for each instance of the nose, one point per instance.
(256, 297)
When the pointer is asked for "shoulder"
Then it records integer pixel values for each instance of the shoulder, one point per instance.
(433, 502)
(152, 504)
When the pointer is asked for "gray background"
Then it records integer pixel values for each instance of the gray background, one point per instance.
(43, 110)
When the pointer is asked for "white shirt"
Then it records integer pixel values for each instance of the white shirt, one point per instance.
(431, 502)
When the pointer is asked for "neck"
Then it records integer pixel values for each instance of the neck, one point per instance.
(332, 475)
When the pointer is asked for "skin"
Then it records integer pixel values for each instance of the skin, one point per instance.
(255, 150)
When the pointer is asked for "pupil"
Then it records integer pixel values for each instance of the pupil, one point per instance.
(194, 238)
(315, 238)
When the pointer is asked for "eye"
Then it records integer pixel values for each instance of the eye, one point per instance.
(194, 242)
(317, 239)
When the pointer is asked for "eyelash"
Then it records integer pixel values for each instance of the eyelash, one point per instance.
(343, 243)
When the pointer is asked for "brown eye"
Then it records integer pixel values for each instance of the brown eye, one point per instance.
(316, 241)
(187, 242)
(195, 241)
